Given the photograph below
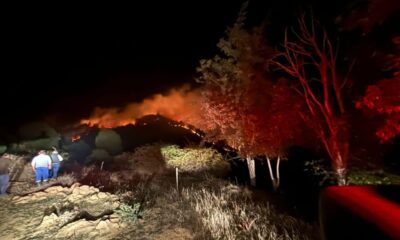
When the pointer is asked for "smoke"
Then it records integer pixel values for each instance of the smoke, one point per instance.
(182, 104)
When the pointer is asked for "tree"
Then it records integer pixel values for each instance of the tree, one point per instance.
(253, 112)
(226, 79)
(274, 123)
(306, 59)
(383, 99)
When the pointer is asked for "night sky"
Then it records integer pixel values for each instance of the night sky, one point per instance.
(67, 59)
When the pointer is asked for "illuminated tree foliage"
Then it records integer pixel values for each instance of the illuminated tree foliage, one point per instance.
(226, 80)
(274, 125)
(383, 99)
(310, 60)
(254, 113)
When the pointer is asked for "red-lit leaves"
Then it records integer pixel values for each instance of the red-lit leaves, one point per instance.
(383, 99)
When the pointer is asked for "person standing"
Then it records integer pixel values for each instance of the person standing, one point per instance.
(41, 164)
(56, 158)
(4, 174)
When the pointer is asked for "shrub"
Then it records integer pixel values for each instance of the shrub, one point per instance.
(150, 152)
(130, 212)
(79, 150)
(66, 180)
(32, 146)
(3, 149)
(36, 130)
(355, 176)
(147, 159)
(110, 141)
(194, 159)
(322, 171)
(374, 177)
(99, 155)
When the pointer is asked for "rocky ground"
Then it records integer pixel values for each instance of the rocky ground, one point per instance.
(84, 212)
(140, 203)
(60, 212)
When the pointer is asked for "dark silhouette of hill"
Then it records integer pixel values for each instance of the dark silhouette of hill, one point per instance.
(149, 129)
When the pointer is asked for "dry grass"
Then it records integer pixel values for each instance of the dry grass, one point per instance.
(66, 180)
(227, 214)
(211, 208)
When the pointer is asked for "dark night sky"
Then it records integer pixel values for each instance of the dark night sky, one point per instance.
(61, 57)
(68, 59)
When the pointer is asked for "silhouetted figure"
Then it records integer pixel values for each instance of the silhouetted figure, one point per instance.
(56, 159)
(4, 174)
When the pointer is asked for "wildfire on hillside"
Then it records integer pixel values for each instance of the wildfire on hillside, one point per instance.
(181, 105)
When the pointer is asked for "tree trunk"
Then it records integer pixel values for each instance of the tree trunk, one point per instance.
(278, 180)
(275, 181)
(252, 170)
(341, 176)
(339, 163)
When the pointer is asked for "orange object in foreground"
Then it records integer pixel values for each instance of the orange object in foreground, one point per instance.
(360, 212)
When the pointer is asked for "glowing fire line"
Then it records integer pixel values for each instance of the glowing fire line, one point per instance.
(181, 105)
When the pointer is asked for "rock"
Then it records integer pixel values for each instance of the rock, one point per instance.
(55, 189)
(39, 195)
(93, 189)
(49, 220)
(115, 205)
(64, 205)
(93, 234)
(114, 220)
(102, 195)
(75, 185)
(84, 190)
(80, 227)
(75, 191)
(102, 226)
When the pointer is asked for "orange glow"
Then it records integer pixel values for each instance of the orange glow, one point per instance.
(181, 105)
(75, 138)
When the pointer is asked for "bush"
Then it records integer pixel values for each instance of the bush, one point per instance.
(110, 141)
(130, 212)
(147, 153)
(37, 130)
(147, 160)
(99, 155)
(32, 146)
(355, 176)
(3, 149)
(194, 159)
(374, 177)
(79, 150)
(66, 180)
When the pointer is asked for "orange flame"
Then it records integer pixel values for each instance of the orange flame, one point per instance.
(75, 138)
(180, 104)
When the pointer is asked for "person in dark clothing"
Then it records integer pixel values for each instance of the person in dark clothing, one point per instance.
(4, 174)
(56, 159)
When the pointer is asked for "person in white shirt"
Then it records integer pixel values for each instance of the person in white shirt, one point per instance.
(41, 164)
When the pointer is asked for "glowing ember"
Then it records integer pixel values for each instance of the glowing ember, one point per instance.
(181, 105)
(75, 138)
